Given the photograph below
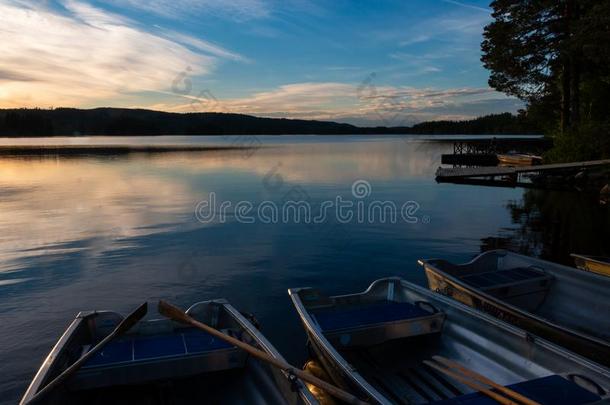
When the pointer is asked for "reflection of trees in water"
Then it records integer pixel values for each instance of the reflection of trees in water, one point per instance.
(553, 224)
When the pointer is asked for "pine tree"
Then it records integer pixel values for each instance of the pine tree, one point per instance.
(555, 55)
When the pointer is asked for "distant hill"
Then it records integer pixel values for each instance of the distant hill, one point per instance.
(120, 121)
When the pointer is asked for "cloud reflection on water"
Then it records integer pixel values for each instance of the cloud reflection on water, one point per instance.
(47, 203)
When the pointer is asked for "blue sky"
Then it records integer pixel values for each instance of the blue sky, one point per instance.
(362, 62)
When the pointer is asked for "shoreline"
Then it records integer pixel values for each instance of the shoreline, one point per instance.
(75, 150)
(525, 136)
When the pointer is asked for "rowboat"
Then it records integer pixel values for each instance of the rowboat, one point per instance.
(596, 264)
(377, 344)
(559, 303)
(519, 159)
(160, 361)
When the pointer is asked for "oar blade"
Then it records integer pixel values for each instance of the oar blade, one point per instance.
(173, 312)
(132, 319)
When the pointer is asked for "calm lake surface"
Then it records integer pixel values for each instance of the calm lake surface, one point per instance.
(109, 232)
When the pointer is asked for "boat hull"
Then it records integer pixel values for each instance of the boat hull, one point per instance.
(519, 160)
(575, 342)
(518, 314)
(160, 361)
(395, 371)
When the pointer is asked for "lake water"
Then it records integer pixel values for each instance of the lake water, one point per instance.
(109, 232)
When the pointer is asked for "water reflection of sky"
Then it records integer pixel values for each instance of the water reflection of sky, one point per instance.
(111, 232)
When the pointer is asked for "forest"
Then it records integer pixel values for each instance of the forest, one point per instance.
(555, 56)
(115, 121)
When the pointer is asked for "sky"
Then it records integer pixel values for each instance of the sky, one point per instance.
(385, 62)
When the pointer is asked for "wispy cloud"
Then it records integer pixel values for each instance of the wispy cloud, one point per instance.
(86, 55)
(203, 46)
(466, 5)
(420, 64)
(132, 53)
(297, 97)
(383, 105)
(458, 28)
(238, 10)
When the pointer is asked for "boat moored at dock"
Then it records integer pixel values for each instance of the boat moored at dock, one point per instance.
(383, 343)
(160, 361)
(519, 159)
(559, 303)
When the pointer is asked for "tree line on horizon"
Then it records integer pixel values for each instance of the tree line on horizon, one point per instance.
(116, 121)
(555, 56)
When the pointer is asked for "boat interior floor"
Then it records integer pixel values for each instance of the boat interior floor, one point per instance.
(508, 277)
(397, 370)
(251, 385)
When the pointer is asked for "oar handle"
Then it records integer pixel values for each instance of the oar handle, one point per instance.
(331, 389)
(499, 398)
(177, 315)
(476, 376)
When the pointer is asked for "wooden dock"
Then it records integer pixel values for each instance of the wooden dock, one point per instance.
(535, 145)
(483, 152)
(470, 159)
(511, 173)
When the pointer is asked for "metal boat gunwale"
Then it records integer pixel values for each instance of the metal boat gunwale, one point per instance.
(592, 264)
(45, 368)
(592, 258)
(312, 327)
(258, 338)
(515, 330)
(315, 333)
(509, 307)
(476, 313)
(266, 345)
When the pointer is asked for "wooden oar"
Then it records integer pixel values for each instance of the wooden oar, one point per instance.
(499, 398)
(121, 328)
(476, 376)
(178, 315)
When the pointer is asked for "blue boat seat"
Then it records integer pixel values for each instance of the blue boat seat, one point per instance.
(492, 279)
(549, 390)
(337, 318)
(137, 348)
